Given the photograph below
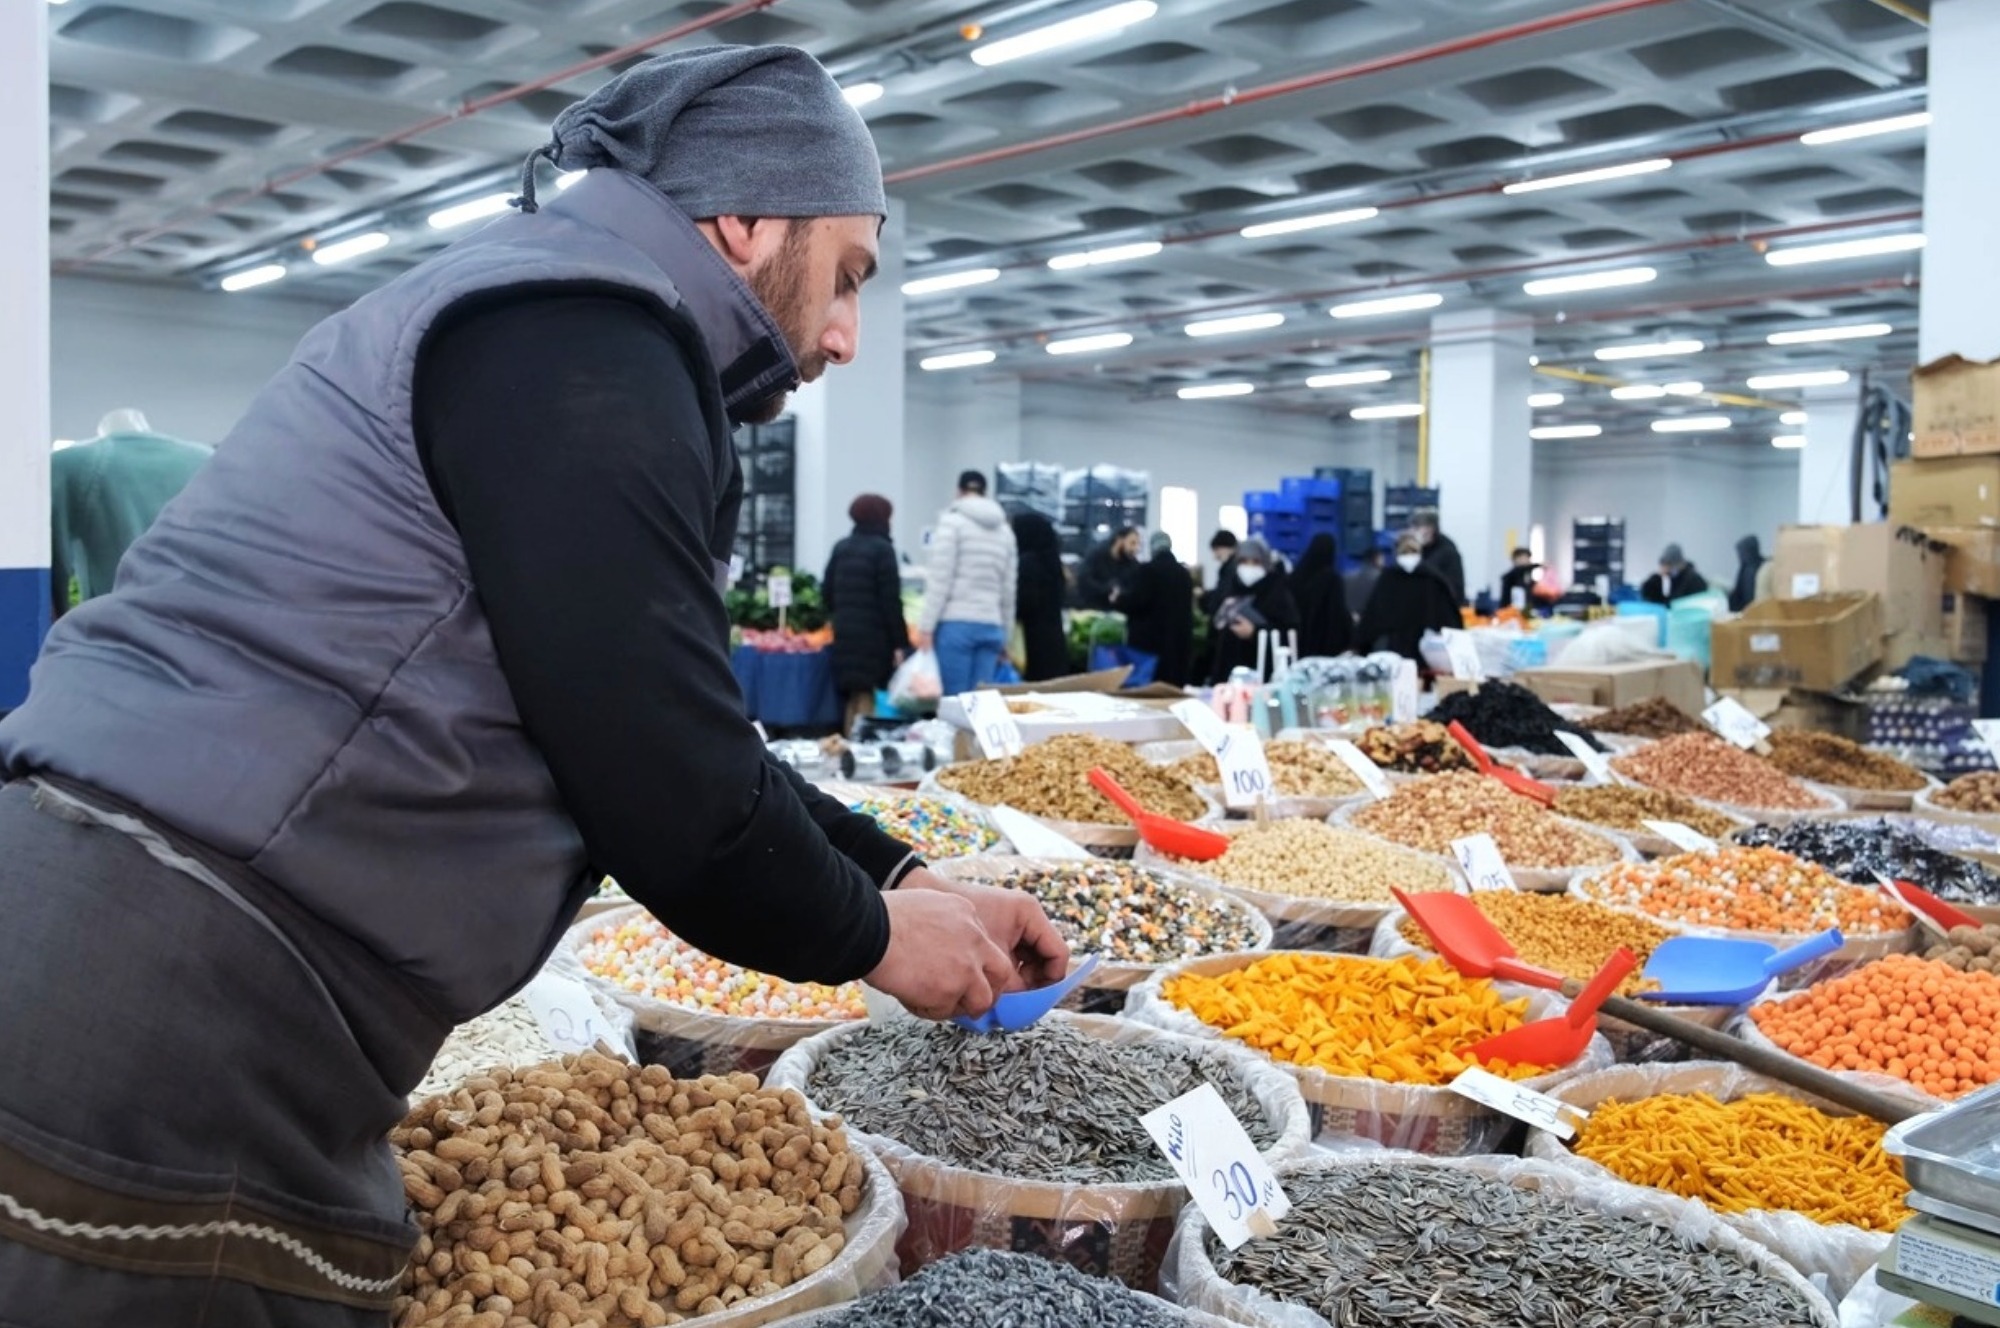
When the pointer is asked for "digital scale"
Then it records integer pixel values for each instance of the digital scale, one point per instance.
(1948, 1255)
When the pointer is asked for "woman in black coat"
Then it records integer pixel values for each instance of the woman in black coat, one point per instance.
(1411, 598)
(1266, 604)
(1039, 591)
(1157, 599)
(1328, 626)
(863, 589)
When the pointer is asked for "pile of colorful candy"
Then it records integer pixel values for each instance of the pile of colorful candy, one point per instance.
(644, 958)
(1746, 889)
(933, 827)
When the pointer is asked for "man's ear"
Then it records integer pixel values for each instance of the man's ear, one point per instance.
(743, 239)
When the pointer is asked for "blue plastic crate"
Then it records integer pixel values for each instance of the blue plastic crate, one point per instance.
(1266, 500)
(1310, 486)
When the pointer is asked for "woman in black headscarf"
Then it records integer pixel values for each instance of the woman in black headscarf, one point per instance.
(863, 589)
(1327, 627)
(1038, 597)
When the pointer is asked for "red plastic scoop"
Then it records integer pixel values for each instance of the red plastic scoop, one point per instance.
(1919, 900)
(1175, 838)
(1469, 941)
(1513, 779)
(1560, 1040)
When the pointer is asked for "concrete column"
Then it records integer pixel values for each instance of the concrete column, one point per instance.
(850, 437)
(1961, 194)
(24, 350)
(1481, 456)
(1826, 463)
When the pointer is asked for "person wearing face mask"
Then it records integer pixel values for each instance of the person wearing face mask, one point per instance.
(1264, 602)
(1409, 599)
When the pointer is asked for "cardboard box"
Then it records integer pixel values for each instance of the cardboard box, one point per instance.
(1614, 685)
(1965, 629)
(1956, 407)
(1819, 644)
(1900, 563)
(1972, 560)
(1813, 712)
(1949, 491)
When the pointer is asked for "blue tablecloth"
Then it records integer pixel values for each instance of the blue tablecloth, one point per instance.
(787, 691)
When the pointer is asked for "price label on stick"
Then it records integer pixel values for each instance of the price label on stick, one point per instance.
(1365, 770)
(1226, 1176)
(1525, 1104)
(1480, 859)
(778, 589)
(1403, 692)
(1728, 717)
(1680, 836)
(992, 724)
(1238, 753)
(1595, 763)
(1464, 655)
(569, 1018)
(1989, 733)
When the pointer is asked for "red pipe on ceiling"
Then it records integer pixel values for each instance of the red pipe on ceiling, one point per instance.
(463, 111)
(1301, 83)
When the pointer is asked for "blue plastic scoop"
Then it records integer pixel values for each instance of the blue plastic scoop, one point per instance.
(1018, 1009)
(1703, 970)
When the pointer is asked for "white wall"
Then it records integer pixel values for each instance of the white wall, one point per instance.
(191, 360)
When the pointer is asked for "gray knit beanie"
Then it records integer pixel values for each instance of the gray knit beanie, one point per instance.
(736, 131)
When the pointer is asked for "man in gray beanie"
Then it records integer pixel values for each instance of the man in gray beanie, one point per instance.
(1676, 579)
(434, 642)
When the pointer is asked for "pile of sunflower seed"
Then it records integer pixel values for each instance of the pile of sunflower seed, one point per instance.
(1047, 1104)
(988, 1289)
(1423, 1246)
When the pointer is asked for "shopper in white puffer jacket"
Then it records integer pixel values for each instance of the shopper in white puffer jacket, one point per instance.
(969, 588)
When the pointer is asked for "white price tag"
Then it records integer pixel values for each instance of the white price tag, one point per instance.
(1524, 1104)
(1480, 858)
(569, 1018)
(1680, 836)
(1989, 733)
(778, 589)
(1805, 585)
(1464, 655)
(1365, 770)
(1595, 763)
(1032, 839)
(1226, 1176)
(1403, 693)
(1238, 753)
(992, 724)
(1728, 717)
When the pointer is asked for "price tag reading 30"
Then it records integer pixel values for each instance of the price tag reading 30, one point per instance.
(1238, 753)
(1226, 1176)
(992, 724)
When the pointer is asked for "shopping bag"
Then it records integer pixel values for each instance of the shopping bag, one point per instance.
(916, 684)
(1144, 664)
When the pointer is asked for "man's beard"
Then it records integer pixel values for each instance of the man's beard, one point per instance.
(781, 286)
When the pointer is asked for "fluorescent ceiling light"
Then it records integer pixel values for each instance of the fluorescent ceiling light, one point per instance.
(1692, 424)
(1394, 304)
(1264, 229)
(1544, 400)
(1806, 336)
(1589, 281)
(1646, 167)
(1566, 431)
(1654, 391)
(1207, 390)
(1789, 442)
(1839, 249)
(60, 443)
(1217, 327)
(1083, 27)
(1810, 378)
(354, 246)
(255, 276)
(1792, 417)
(1117, 253)
(1867, 129)
(1402, 411)
(977, 276)
(861, 94)
(1351, 378)
(1084, 345)
(459, 213)
(1649, 350)
(568, 178)
(962, 359)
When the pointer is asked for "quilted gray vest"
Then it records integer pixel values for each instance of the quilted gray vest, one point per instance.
(294, 668)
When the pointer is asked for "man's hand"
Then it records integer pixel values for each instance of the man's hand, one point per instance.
(1014, 920)
(920, 639)
(1243, 628)
(940, 960)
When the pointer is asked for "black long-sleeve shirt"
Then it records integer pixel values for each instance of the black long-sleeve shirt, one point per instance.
(564, 438)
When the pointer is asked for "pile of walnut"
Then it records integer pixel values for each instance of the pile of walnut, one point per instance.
(1969, 949)
(588, 1191)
